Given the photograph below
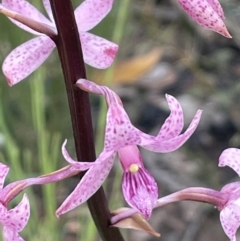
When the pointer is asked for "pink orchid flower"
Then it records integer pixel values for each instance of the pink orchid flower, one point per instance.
(207, 13)
(14, 220)
(139, 187)
(26, 58)
(230, 212)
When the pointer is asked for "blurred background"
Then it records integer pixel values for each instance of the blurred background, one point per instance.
(161, 51)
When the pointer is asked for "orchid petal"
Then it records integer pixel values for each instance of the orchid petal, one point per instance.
(205, 14)
(140, 191)
(89, 86)
(17, 218)
(10, 235)
(173, 125)
(230, 157)
(89, 184)
(119, 130)
(28, 10)
(97, 52)
(3, 173)
(78, 165)
(91, 12)
(26, 58)
(230, 220)
(217, 8)
(159, 145)
(47, 6)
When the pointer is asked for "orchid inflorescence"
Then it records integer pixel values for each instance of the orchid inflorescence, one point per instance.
(122, 138)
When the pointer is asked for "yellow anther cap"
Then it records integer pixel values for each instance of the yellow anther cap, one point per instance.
(133, 168)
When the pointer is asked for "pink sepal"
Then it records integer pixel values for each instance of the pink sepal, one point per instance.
(26, 58)
(89, 184)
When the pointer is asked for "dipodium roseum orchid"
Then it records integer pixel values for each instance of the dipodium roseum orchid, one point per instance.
(26, 58)
(230, 212)
(207, 13)
(139, 187)
(14, 220)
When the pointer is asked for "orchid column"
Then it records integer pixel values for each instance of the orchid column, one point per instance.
(70, 52)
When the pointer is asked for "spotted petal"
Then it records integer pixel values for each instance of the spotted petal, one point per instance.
(140, 191)
(97, 52)
(119, 130)
(230, 157)
(230, 220)
(91, 12)
(3, 173)
(89, 184)
(173, 125)
(89, 86)
(26, 58)
(17, 218)
(159, 145)
(206, 13)
(217, 8)
(78, 165)
(26, 9)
